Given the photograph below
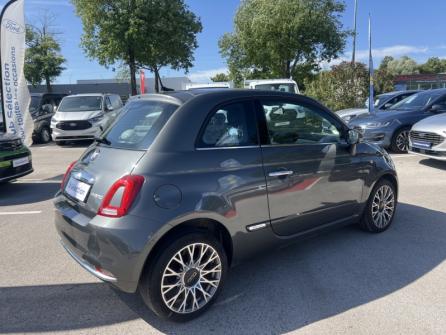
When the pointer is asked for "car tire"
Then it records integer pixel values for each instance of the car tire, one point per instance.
(182, 292)
(45, 135)
(400, 141)
(380, 209)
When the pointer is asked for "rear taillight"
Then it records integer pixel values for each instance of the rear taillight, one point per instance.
(67, 173)
(131, 186)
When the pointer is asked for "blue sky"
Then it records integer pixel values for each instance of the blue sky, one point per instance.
(400, 27)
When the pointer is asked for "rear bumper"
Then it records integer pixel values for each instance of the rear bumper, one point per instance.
(113, 250)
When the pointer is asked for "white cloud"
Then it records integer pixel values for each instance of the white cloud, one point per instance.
(395, 51)
(205, 75)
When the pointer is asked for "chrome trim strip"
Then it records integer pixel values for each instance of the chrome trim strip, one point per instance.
(256, 226)
(87, 266)
(280, 173)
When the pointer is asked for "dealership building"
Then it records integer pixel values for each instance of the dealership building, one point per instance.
(420, 81)
(115, 86)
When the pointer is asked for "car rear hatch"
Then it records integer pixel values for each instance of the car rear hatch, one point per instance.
(94, 174)
(115, 154)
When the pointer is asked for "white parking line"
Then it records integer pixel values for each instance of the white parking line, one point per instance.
(21, 213)
(402, 155)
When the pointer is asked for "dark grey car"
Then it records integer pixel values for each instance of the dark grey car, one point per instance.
(185, 184)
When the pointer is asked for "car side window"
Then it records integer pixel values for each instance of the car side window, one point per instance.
(108, 103)
(231, 125)
(116, 102)
(293, 123)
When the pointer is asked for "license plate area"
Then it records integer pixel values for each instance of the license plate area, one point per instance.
(77, 189)
(422, 145)
(20, 161)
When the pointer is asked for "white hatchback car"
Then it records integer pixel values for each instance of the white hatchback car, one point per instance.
(84, 116)
(428, 137)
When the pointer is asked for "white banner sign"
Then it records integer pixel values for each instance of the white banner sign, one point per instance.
(15, 94)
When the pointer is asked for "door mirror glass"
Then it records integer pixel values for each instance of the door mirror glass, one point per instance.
(353, 136)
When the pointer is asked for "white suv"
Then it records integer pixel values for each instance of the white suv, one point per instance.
(281, 85)
(84, 116)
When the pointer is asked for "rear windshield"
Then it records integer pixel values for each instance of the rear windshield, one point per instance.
(139, 124)
(81, 104)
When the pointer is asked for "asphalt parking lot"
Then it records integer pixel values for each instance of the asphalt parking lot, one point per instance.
(346, 281)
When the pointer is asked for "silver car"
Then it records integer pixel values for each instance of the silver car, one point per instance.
(84, 116)
(428, 137)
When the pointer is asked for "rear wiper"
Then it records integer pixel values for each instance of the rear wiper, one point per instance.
(102, 140)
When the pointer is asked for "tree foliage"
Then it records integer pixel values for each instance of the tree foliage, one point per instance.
(43, 60)
(337, 89)
(140, 33)
(274, 38)
(433, 65)
(220, 77)
(402, 66)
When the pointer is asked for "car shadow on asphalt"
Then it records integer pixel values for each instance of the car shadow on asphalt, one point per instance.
(437, 164)
(279, 292)
(27, 193)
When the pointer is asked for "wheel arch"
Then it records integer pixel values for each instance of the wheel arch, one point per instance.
(205, 225)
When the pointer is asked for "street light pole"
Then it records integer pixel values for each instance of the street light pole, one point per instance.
(354, 32)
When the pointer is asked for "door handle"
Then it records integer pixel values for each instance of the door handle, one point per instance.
(280, 173)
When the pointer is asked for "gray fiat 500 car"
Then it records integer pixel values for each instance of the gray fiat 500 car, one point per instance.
(185, 184)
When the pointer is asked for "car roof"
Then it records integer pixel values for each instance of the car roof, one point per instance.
(87, 95)
(46, 93)
(181, 97)
(436, 91)
(395, 93)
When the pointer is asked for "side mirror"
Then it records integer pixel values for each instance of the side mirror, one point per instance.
(387, 105)
(353, 137)
(109, 108)
(438, 108)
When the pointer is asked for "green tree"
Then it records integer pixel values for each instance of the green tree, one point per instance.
(383, 78)
(140, 33)
(337, 89)
(433, 65)
(402, 66)
(383, 81)
(220, 77)
(43, 61)
(274, 38)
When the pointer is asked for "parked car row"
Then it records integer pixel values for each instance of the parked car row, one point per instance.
(390, 126)
(84, 116)
(63, 117)
(382, 102)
